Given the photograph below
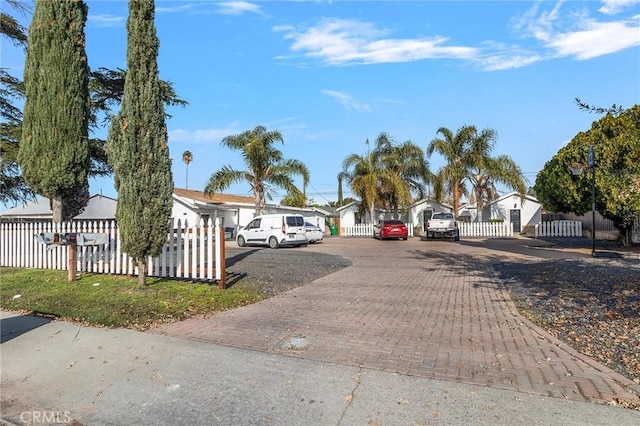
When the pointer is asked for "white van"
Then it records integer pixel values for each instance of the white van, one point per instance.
(274, 230)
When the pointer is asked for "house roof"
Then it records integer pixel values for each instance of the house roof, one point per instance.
(511, 194)
(430, 200)
(353, 203)
(98, 208)
(215, 198)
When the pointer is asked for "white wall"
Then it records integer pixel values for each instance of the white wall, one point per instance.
(348, 215)
(416, 212)
(530, 211)
(181, 212)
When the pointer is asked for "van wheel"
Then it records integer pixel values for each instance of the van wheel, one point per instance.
(273, 243)
(241, 242)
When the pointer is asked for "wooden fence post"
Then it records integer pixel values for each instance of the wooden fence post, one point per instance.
(220, 255)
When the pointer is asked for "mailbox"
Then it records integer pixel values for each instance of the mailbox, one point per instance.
(92, 239)
(48, 238)
(72, 238)
(69, 238)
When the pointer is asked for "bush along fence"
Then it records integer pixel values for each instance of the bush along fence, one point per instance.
(190, 251)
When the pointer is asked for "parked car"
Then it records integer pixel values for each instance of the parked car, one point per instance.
(443, 224)
(274, 230)
(313, 232)
(386, 229)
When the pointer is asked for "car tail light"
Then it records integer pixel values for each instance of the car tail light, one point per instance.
(284, 227)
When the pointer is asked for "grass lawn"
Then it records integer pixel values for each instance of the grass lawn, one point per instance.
(114, 300)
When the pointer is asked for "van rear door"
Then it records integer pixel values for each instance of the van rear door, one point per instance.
(294, 228)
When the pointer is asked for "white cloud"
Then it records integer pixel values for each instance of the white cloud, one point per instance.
(237, 7)
(344, 42)
(575, 33)
(181, 8)
(612, 7)
(202, 135)
(498, 62)
(597, 39)
(106, 20)
(347, 101)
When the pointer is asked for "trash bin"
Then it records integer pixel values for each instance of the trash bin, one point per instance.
(333, 229)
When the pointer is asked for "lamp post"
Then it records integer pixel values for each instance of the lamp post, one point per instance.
(577, 169)
(592, 166)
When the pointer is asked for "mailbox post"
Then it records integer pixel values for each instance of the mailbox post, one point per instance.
(71, 240)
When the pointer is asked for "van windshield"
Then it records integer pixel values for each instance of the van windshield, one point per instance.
(295, 221)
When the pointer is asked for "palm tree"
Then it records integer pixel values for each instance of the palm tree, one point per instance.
(266, 166)
(187, 157)
(485, 171)
(407, 162)
(450, 178)
(371, 179)
(468, 156)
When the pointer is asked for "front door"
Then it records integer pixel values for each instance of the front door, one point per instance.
(514, 218)
(426, 216)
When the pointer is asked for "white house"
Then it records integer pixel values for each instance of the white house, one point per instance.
(421, 211)
(192, 206)
(521, 213)
(233, 210)
(98, 208)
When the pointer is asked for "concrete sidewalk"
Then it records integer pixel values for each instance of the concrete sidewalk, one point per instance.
(121, 377)
(405, 336)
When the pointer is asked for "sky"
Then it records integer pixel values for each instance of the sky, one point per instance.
(330, 75)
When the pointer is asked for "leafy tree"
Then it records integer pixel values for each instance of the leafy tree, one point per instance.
(295, 199)
(12, 184)
(138, 148)
(13, 188)
(9, 26)
(266, 166)
(616, 142)
(106, 89)
(54, 148)
(187, 157)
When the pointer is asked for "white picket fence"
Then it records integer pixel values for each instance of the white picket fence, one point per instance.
(482, 229)
(365, 230)
(559, 228)
(190, 251)
(485, 229)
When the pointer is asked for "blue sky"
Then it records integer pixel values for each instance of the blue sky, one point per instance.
(331, 74)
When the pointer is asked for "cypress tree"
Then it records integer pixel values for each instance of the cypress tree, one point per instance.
(54, 148)
(138, 145)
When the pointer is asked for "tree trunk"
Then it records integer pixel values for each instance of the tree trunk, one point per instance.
(626, 236)
(479, 206)
(56, 207)
(142, 274)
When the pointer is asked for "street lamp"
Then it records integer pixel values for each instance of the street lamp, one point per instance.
(592, 165)
(576, 169)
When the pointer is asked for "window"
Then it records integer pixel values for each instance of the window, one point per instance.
(295, 220)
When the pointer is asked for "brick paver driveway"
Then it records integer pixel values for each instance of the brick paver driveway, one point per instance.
(432, 309)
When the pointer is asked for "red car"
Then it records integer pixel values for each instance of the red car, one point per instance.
(386, 229)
